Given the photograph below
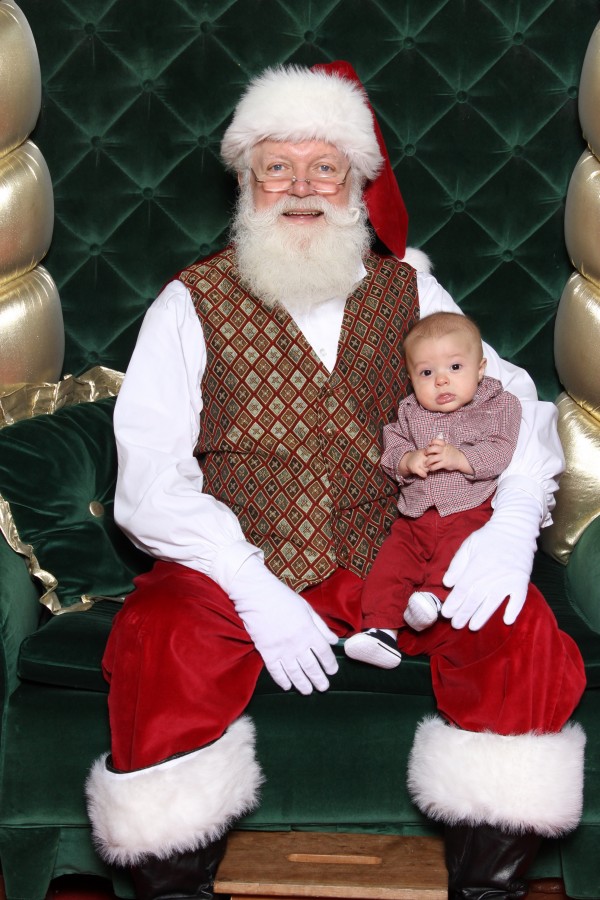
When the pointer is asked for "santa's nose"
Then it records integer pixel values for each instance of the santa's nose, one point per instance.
(300, 187)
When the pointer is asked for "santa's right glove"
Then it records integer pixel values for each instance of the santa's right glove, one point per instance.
(292, 639)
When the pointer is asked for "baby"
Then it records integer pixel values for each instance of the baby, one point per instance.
(453, 437)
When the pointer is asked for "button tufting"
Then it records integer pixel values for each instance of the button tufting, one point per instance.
(111, 124)
(96, 508)
(148, 193)
(462, 96)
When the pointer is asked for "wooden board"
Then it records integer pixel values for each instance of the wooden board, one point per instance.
(295, 865)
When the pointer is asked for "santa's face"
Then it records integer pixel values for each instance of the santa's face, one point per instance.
(300, 229)
(307, 169)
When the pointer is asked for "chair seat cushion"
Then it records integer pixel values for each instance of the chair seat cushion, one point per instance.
(67, 650)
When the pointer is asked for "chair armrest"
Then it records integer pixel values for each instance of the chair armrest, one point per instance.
(20, 613)
(582, 576)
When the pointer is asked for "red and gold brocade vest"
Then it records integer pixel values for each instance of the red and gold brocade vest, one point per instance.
(291, 448)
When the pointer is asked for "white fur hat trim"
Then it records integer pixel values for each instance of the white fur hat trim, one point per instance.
(525, 782)
(290, 103)
(175, 806)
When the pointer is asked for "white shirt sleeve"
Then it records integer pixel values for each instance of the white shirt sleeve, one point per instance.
(159, 501)
(538, 459)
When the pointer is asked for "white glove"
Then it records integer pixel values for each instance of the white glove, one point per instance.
(292, 639)
(494, 563)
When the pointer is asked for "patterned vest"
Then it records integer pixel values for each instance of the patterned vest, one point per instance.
(291, 448)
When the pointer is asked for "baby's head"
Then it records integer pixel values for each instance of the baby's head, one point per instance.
(444, 359)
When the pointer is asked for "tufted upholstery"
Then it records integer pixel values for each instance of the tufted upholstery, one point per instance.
(477, 102)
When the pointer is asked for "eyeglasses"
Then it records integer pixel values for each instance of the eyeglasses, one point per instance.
(320, 182)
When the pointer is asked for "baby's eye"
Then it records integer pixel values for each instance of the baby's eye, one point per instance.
(425, 373)
(455, 367)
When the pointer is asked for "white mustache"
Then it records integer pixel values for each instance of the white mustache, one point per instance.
(334, 215)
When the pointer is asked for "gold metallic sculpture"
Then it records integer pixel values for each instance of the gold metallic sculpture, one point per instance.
(577, 332)
(31, 324)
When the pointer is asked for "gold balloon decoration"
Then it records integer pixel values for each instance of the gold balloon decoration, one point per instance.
(577, 332)
(19, 76)
(29, 354)
(576, 339)
(582, 216)
(589, 94)
(26, 211)
(580, 437)
(31, 323)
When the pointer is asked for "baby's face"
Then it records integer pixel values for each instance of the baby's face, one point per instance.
(445, 371)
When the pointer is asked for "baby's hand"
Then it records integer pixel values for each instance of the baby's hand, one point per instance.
(414, 463)
(440, 455)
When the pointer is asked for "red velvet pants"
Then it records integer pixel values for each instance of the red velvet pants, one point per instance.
(182, 667)
(414, 556)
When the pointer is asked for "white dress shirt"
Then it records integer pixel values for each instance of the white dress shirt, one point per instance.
(159, 501)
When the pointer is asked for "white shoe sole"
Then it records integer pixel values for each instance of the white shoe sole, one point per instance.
(369, 649)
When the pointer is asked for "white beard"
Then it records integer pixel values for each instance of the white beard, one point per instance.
(295, 265)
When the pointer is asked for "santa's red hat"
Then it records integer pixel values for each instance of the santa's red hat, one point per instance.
(326, 103)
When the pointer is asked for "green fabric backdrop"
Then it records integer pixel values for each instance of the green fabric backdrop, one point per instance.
(477, 100)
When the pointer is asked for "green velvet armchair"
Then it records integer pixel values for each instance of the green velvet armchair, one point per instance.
(478, 104)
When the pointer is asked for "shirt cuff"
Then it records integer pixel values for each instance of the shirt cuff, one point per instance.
(528, 486)
(228, 561)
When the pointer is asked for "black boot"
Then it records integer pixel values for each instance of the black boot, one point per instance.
(182, 876)
(485, 862)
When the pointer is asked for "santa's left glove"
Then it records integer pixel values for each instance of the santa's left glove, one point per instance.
(493, 565)
(294, 642)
